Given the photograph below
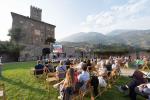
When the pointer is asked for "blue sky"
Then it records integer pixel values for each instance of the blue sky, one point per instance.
(72, 16)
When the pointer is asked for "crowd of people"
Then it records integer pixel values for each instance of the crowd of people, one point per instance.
(76, 74)
(40, 68)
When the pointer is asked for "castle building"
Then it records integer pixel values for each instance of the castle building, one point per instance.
(34, 32)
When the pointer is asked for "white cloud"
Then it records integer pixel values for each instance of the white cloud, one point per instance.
(128, 16)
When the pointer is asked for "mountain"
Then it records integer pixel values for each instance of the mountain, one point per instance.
(90, 37)
(118, 32)
(134, 37)
(139, 38)
(76, 44)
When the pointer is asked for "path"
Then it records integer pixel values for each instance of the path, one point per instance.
(127, 72)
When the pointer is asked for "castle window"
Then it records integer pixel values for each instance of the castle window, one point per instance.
(37, 32)
(21, 22)
(52, 30)
(48, 29)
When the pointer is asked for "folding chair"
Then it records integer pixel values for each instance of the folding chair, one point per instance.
(145, 66)
(81, 93)
(60, 75)
(126, 65)
(40, 74)
(111, 78)
(50, 78)
(115, 74)
(87, 90)
(101, 90)
(2, 92)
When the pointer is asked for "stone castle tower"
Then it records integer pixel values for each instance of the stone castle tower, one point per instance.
(34, 32)
(35, 13)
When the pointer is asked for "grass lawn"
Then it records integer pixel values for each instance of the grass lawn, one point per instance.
(20, 84)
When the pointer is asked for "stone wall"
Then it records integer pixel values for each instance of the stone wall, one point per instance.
(33, 35)
(33, 31)
(31, 52)
(35, 13)
(6, 57)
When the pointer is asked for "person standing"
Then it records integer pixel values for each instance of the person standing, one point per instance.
(1, 66)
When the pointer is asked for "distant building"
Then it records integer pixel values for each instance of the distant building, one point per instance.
(64, 50)
(69, 51)
(34, 32)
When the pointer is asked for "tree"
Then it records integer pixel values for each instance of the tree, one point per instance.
(15, 34)
(11, 49)
(46, 51)
(50, 40)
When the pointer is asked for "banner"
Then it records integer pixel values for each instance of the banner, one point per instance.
(57, 48)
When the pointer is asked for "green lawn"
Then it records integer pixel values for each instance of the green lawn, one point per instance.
(20, 84)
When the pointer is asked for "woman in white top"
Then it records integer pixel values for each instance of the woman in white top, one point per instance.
(115, 65)
(101, 67)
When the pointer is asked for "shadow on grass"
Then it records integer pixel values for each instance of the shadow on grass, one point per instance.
(22, 85)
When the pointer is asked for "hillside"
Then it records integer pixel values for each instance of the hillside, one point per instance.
(139, 38)
(90, 37)
(134, 37)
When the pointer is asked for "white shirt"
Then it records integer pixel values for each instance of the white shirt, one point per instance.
(79, 65)
(114, 66)
(84, 76)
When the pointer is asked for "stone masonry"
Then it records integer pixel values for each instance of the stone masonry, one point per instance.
(34, 33)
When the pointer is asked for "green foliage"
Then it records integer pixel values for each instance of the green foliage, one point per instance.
(9, 47)
(112, 48)
(15, 34)
(50, 40)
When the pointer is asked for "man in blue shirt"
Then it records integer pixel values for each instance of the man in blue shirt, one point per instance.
(39, 68)
(84, 76)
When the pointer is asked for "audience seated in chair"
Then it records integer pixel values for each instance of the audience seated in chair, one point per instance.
(49, 66)
(79, 83)
(61, 70)
(94, 81)
(67, 86)
(89, 63)
(108, 66)
(143, 90)
(138, 79)
(83, 77)
(139, 62)
(67, 63)
(39, 68)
